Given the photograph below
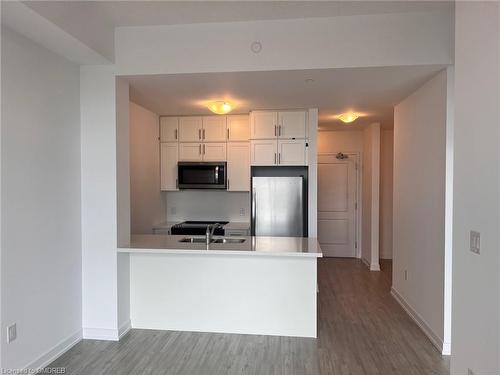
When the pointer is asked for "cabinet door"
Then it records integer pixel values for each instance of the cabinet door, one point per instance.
(190, 152)
(292, 152)
(168, 165)
(263, 125)
(214, 129)
(292, 124)
(264, 152)
(169, 127)
(214, 151)
(190, 129)
(238, 166)
(238, 128)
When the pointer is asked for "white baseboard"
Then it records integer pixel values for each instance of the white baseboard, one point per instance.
(371, 267)
(108, 334)
(124, 328)
(54, 353)
(433, 337)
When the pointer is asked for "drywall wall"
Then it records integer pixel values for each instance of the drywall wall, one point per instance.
(380, 40)
(340, 141)
(386, 182)
(99, 201)
(419, 204)
(476, 279)
(146, 205)
(41, 231)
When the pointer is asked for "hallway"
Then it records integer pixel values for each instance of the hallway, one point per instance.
(362, 330)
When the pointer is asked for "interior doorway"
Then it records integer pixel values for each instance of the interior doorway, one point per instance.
(338, 197)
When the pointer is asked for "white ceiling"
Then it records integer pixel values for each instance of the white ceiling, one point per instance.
(372, 91)
(93, 22)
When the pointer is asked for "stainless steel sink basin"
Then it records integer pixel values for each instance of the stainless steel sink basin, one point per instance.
(229, 240)
(193, 240)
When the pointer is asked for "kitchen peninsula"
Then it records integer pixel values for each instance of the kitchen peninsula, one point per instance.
(248, 285)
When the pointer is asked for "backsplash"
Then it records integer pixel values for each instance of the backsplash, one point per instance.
(207, 205)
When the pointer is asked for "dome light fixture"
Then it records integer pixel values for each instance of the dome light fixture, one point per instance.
(348, 117)
(220, 107)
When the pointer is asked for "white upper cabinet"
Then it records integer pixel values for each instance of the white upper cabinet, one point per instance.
(292, 124)
(264, 152)
(263, 125)
(214, 129)
(214, 151)
(292, 152)
(168, 165)
(238, 166)
(190, 152)
(169, 129)
(238, 128)
(190, 129)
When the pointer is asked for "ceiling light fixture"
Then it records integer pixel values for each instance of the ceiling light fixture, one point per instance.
(348, 117)
(220, 107)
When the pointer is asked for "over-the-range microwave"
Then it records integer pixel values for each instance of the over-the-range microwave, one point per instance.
(202, 175)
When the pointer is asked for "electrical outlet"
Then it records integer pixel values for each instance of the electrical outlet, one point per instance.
(470, 372)
(242, 212)
(475, 242)
(406, 274)
(11, 333)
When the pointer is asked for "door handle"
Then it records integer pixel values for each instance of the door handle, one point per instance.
(199, 133)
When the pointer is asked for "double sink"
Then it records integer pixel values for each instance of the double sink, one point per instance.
(213, 240)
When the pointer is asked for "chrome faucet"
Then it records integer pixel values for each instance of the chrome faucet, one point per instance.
(210, 231)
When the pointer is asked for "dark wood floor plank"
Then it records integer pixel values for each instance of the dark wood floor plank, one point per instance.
(361, 331)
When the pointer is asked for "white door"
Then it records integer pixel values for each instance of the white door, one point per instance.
(190, 129)
(264, 152)
(169, 127)
(214, 129)
(168, 165)
(238, 128)
(214, 151)
(292, 152)
(292, 124)
(263, 125)
(238, 166)
(337, 192)
(190, 152)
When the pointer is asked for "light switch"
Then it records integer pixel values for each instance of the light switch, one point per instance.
(475, 242)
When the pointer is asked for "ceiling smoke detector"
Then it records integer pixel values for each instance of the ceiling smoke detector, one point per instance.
(256, 47)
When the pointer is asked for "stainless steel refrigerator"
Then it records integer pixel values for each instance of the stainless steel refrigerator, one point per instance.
(279, 206)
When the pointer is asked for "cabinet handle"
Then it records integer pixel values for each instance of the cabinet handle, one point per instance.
(279, 158)
(203, 133)
(199, 149)
(275, 158)
(203, 149)
(279, 130)
(228, 184)
(177, 183)
(275, 130)
(176, 134)
(199, 133)
(227, 133)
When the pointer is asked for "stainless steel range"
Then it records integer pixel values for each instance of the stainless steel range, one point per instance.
(197, 228)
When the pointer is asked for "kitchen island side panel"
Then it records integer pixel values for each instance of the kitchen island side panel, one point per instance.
(225, 294)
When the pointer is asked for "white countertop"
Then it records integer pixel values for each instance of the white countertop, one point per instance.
(267, 246)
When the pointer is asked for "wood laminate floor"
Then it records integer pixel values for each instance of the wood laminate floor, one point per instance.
(362, 330)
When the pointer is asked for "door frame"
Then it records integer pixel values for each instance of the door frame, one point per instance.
(356, 155)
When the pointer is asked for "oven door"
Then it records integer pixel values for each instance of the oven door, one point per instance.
(194, 175)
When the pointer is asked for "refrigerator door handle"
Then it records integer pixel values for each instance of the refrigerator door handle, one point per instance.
(254, 212)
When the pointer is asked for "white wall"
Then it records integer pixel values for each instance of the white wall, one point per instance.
(147, 207)
(476, 279)
(41, 232)
(340, 141)
(419, 204)
(379, 40)
(386, 182)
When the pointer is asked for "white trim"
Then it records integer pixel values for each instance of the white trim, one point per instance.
(375, 267)
(54, 353)
(107, 334)
(444, 348)
(124, 328)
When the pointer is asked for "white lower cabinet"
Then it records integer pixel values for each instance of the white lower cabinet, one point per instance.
(238, 166)
(168, 165)
(190, 152)
(214, 151)
(292, 152)
(264, 152)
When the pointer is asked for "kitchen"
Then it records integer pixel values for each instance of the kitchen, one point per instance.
(230, 219)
